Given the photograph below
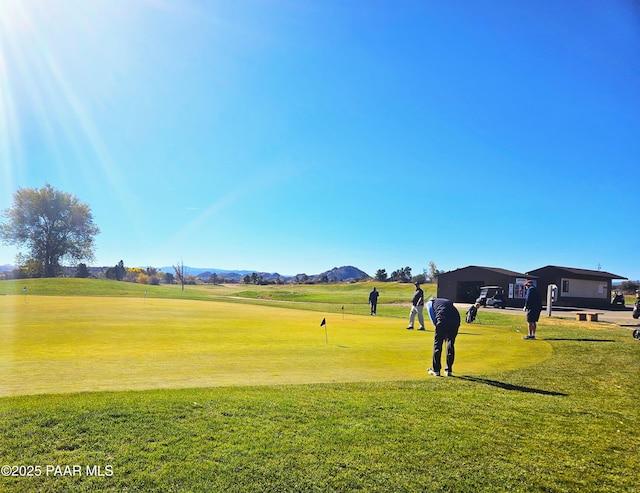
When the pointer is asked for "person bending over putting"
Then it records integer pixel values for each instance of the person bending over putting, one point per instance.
(445, 316)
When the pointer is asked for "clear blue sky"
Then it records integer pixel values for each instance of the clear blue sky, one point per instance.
(293, 137)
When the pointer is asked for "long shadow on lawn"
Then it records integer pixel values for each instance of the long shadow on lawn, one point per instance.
(578, 339)
(508, 386)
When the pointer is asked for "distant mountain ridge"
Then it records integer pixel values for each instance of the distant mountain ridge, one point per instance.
(340, 274)
(344, 273)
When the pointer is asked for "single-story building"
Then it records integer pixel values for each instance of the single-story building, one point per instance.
(576, 287)
(463, 285)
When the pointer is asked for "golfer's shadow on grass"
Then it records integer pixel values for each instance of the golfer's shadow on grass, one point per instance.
(508, 386)
(577, 339)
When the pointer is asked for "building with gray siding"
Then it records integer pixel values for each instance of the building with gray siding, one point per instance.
(580, 288)
(577, 287)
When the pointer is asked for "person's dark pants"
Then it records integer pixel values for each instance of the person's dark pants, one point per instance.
(374, 306)
(444, 332)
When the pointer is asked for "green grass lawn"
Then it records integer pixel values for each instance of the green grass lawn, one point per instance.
(335, 298)
(239, 396)
(68, 344)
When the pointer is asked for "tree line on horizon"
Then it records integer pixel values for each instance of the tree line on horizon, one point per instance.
(55, 226)
(403, 274)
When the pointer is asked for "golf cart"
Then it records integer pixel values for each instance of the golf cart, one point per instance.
(491, 296)
(618, 299)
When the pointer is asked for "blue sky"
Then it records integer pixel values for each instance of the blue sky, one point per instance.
(293, 137)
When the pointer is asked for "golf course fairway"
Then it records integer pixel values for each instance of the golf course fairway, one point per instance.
(61, 344)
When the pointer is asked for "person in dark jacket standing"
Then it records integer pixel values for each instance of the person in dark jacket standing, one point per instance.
(417, 305)
(373, 300)
(532, 308)
(445, 316)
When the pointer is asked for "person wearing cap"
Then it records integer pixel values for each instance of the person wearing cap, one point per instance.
(417, 305)
(532, 308)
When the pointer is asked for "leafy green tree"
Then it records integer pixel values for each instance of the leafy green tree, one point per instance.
(28, 268)
(116, 273)
(421, 278)
(53, 226)
(120, 271)
(381, 275)
(401, 275)
(629, 287)
(82, 271)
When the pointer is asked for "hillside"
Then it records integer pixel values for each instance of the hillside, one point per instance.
(344, 273)
(340, 274)
(337, 274)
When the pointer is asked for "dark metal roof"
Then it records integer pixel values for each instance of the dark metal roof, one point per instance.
(582, 272)
(497, 270)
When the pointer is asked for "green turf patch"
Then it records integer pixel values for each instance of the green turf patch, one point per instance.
(270, 406)
(68, 344)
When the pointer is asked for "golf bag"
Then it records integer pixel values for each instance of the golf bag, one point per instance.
(471, 314)
(636, 310)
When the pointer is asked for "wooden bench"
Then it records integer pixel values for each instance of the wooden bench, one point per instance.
(587, 316)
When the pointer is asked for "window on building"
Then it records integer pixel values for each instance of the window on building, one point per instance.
(565, 285)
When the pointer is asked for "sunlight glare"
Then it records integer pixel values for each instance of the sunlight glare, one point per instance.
(62, 62)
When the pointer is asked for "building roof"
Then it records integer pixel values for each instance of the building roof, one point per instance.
(582, 272)
(497, 270)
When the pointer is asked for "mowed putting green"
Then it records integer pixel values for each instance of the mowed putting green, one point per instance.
(57, 344)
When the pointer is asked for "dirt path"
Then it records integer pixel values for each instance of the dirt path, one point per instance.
(618, 317)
